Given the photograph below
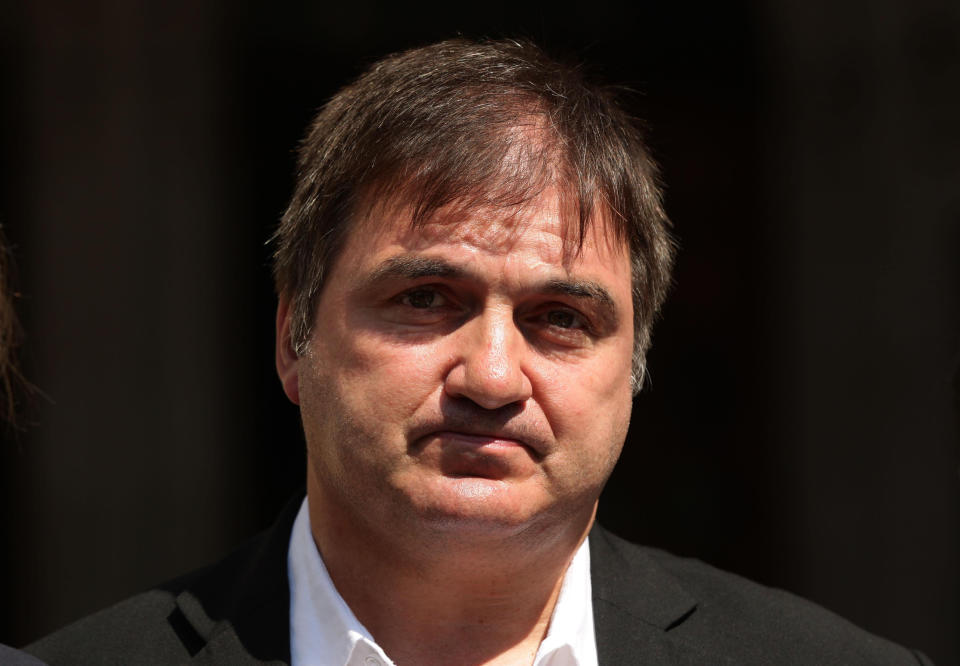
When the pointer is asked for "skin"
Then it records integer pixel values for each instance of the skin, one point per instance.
(465, 396)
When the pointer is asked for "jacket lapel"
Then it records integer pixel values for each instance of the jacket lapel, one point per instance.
(636, 604)
(239, 611)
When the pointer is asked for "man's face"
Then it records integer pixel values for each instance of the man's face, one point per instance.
(471, 375)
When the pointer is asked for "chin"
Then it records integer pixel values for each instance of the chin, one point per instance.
(481, 507)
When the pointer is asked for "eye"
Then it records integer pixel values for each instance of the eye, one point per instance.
(561, 325)
(423, 299)
(563, 319)
(422, 306)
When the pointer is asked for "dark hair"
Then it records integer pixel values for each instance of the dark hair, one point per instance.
(472, 124)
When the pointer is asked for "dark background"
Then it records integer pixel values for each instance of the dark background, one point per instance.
(800, 427)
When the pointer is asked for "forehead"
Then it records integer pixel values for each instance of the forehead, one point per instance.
(538, 230)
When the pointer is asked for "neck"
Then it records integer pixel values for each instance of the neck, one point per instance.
(440, 600)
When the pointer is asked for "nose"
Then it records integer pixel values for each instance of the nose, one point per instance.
(488, 367)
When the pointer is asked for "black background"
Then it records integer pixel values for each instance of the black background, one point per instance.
(799, 428)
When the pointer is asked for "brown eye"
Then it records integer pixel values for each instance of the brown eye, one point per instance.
(422, 299)
(562, 319)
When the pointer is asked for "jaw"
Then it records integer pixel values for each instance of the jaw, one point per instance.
(433, 520)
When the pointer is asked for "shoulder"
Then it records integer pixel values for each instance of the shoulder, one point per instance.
(11, 657)
(723, 614)
(141, 629)
(234, 612)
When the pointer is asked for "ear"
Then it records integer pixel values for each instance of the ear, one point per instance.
(286, 357)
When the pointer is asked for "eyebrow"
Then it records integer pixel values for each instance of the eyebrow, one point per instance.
(412, 268)
(583, 289)
(586, 290)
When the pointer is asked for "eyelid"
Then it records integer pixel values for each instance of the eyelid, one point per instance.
(450, 298)
(583, 321)
(442, 294)
(579, 318)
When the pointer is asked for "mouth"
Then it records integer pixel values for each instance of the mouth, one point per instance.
(482, 441)
(479, 455)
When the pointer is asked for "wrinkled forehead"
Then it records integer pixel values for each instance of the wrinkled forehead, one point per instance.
(548, 222)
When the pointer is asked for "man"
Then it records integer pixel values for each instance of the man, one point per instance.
(467, 272)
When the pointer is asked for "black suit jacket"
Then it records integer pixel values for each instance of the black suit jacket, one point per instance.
(650, 609)
(11, 657)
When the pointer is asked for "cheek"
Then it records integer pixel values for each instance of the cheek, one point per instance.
(589, 412)
(586, 394)
(383, 381)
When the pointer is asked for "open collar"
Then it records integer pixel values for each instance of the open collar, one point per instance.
(238, 612)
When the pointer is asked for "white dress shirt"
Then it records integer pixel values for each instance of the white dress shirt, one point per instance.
(325, 632)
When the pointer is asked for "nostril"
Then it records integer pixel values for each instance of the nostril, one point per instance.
(489, 387)
(462, 405)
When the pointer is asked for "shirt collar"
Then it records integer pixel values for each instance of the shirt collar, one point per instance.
(570, 638)
(323, 629)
